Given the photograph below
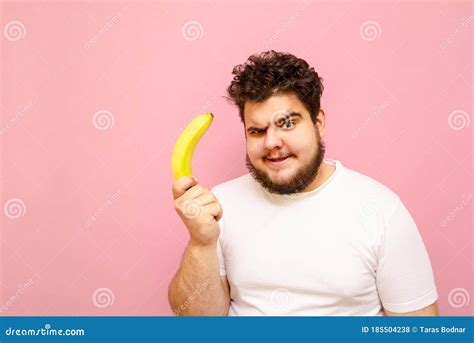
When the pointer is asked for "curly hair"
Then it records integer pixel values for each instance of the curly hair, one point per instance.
(269, 73)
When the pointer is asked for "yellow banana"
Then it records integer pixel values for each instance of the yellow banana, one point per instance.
(186, 143)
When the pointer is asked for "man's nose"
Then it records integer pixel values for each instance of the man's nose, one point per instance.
(272, 139)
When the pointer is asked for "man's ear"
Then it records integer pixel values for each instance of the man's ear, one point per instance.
(321, 123)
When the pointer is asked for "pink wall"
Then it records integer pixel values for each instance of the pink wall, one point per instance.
(94, 95)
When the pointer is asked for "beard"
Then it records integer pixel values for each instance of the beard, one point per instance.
(302, 179)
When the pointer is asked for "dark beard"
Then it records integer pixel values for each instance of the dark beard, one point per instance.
(300, 181)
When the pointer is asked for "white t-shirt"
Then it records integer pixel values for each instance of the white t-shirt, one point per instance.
(347, 248)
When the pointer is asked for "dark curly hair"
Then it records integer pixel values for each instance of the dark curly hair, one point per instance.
(269, 73)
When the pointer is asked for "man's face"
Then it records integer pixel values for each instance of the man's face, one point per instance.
(284, 146)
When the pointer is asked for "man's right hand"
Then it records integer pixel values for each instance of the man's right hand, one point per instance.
(199, 210)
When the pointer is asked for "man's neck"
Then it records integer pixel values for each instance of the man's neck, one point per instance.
(325, 171)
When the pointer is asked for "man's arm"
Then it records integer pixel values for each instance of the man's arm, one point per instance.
(404, 271)
(431, 310)
(197, 288)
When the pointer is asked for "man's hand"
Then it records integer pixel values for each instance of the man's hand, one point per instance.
(199, 210)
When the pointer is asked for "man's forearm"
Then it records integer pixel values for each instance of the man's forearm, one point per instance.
(196, 288)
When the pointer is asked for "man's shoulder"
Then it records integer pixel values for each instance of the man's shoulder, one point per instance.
(366, 187)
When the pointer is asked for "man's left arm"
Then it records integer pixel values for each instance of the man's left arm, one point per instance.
(431, 310)
(405, 280)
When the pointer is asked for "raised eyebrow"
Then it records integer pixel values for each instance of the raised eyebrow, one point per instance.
(295, 114)
(291, 114)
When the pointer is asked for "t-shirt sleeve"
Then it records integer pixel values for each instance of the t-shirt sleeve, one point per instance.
(405, 279)
(220, 252)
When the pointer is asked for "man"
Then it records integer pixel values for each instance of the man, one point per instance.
(298, 235)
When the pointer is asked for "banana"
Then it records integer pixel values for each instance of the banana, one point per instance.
(186, 143)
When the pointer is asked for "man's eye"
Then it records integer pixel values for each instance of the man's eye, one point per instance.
(285, 122)
(256, 132)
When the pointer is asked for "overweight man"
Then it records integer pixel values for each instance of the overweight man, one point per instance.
(299, 235)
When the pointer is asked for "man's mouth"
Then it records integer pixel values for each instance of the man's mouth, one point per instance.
(276, 161)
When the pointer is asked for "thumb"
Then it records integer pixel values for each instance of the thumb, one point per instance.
(181, 185)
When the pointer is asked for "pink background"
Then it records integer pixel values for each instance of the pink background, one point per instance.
(88, 225)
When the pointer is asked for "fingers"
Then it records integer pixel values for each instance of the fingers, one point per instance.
(192, 198)
(215, 209)
(205, 199)
(181, 185)
(220, 213)
(195, 200)
(195, 192)
(210, 201)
